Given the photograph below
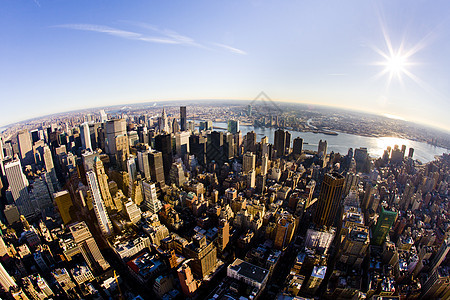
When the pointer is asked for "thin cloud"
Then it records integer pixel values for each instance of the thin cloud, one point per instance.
(231, 49)
(337, 74)
(37, 3)
(164, 36)
(103, 29)
(171, 34)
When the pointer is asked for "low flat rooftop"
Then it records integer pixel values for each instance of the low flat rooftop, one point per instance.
(249, 270)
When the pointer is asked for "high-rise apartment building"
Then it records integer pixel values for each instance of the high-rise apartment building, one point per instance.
(204, 255)
(99, 206)
(329, 199)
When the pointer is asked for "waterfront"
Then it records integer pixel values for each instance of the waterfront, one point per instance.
(342, 142)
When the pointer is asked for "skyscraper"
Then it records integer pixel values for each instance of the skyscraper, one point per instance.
(88, 247)
(177, 174)
(133, 211)
(164, 123)
(131, 169)
(103, 116)
(143, 163)
(183, 119)
(329, 199)
(163, 143)
(122, 150)
(441, 254)
(103, 183)
(250, 141)
(248, 162)
(151, 199)
(228, 145)
(298, 146)
(99, 207)
(282, 140)
(114, 128)
(264, 164)
(18, 184)
(233, 126)
(384, 224)
(182, 143)
(25, 147)
(64, 204)
(214, 148)
(197, 147)
(322, 149)
(6, 280)
(156, 167)
(85, 136)
(175, 126)
(49, 166)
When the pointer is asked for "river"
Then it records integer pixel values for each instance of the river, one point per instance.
(342, 142)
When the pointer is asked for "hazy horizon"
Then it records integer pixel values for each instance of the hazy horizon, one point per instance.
(174, 102)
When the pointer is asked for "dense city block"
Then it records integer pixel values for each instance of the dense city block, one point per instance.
(163, 203)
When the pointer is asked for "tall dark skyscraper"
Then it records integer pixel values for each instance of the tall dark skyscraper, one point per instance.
(233, 126)
(197, 146)
(183, 119)
(155, 159)
(282, 140)
(329, 198)
(163, 143)
(298, 146)
(250, 144)
(214, 149)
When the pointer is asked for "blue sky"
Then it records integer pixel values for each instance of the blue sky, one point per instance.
(58, 56)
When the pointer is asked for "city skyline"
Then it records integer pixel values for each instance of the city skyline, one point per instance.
(380, 57)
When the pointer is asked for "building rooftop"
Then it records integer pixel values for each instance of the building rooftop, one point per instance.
(249, 270)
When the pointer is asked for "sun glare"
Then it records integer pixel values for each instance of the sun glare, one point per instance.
(396, 61)
(396, 64)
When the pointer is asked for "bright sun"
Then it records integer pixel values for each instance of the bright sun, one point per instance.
(396, 62)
